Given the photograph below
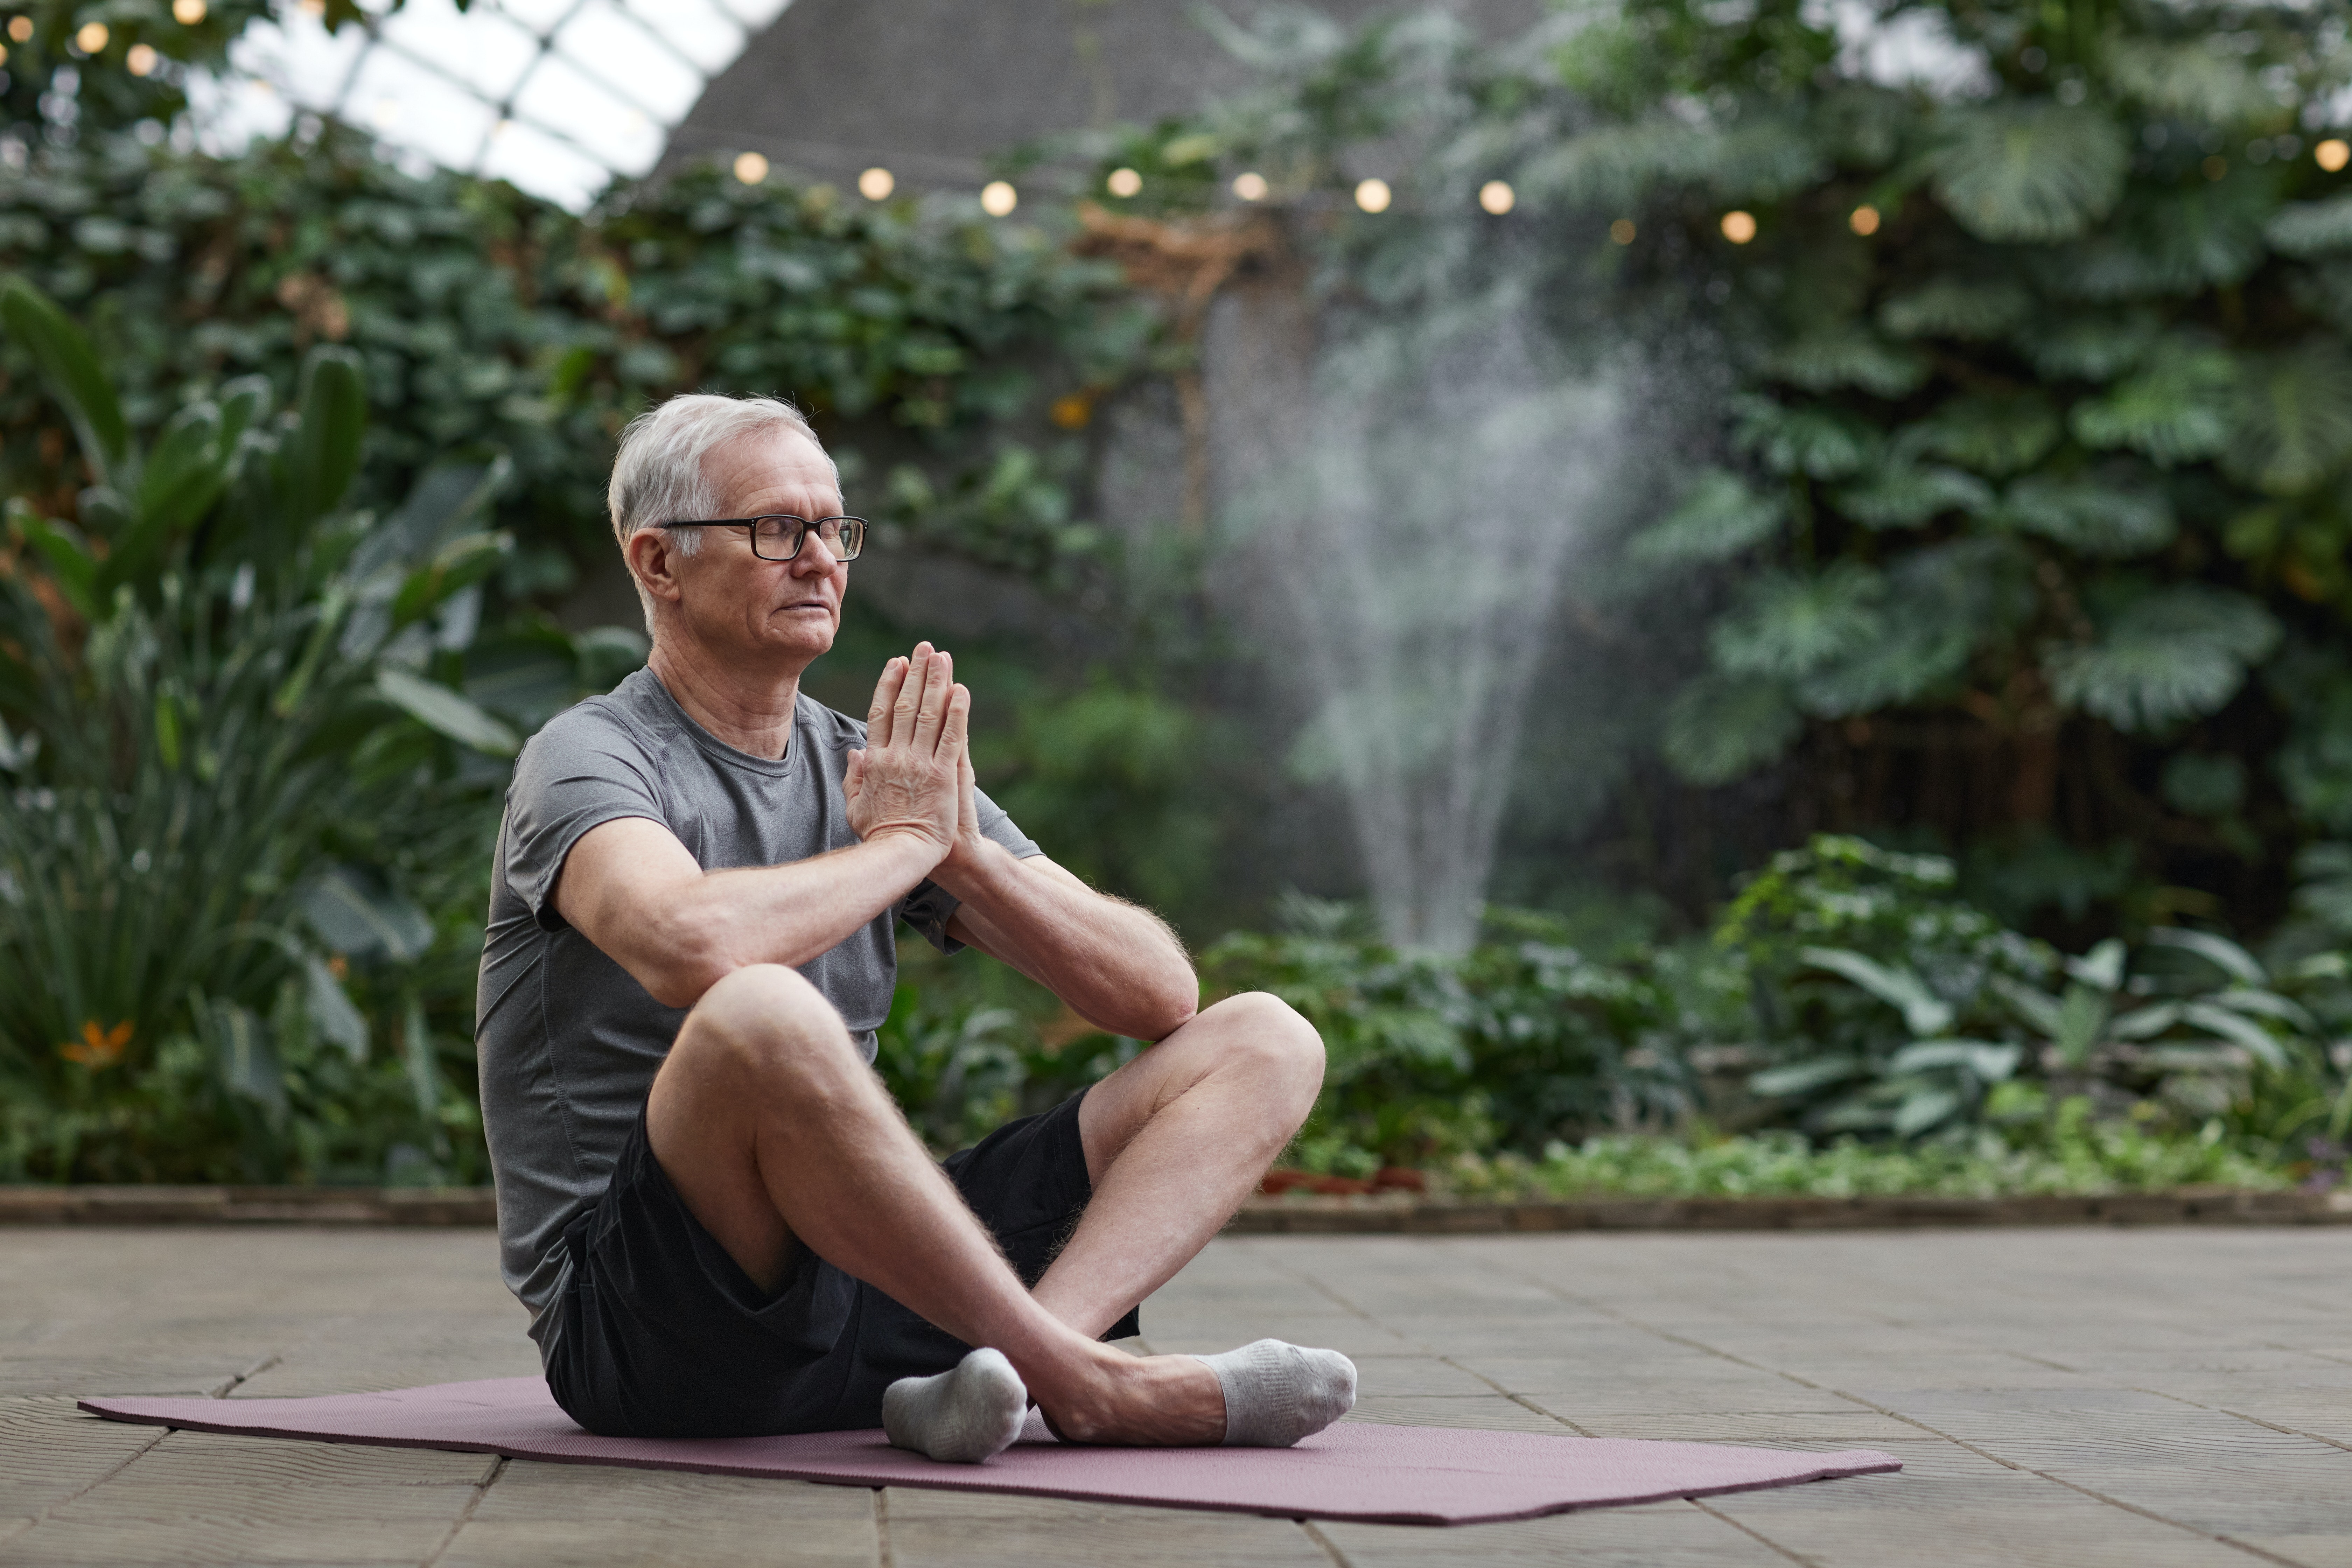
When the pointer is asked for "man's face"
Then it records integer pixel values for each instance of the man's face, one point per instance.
(743, 607)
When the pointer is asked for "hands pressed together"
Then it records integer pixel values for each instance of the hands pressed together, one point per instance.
(914, 778)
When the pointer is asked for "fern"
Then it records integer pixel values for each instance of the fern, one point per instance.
(2170, 655)
(2106, 518)
(1950, 598)
(2295, 425)
(2029, 173)
(2180, 407)
(1951, 308)
(1720, 518)
(1718, 728)
(1787, 626)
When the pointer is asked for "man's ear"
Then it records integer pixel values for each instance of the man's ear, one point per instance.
(653, 564)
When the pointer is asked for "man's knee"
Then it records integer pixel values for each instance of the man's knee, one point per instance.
(1267, 1033)
(765, 1027)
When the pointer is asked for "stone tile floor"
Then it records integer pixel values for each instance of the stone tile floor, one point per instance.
(2070, 1397)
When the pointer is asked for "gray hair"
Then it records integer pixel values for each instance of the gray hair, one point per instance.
(657, 474)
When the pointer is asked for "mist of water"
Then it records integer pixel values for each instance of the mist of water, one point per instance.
(1409, 551)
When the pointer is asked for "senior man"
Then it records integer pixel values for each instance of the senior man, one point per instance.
(718, 1220)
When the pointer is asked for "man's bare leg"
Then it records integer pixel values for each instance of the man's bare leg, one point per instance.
(777, 1135)
(1175, 1140)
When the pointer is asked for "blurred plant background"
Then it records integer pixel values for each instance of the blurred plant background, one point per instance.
(1939, 776)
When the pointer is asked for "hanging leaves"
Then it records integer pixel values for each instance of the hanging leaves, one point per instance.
(2029, 173)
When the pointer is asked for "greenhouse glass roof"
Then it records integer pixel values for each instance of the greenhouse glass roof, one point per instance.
(558, 96)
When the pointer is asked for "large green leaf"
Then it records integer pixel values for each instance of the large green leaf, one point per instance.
(1822, 362)
(1720, 518)
(1718, 728)
(2311, 229)
(74, 378)
(2173, 654)
(1924, 1014)
(1957, 307)
(2294, 420)
(2187, 77)
(1995, 434)
(2087, 345)
(2182, 407)
(71, 566)
(352, 912)
(448, 712)
(1786, 626)
(1909, 495)
(2110, 518)
(330, 1011)
(1823, 443)
(323, 453)
(2029, 173)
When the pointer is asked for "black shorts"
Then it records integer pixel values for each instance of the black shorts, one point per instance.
(659, 1333)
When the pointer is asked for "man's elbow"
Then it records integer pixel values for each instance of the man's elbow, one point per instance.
(683, 961)
(1168, 1007)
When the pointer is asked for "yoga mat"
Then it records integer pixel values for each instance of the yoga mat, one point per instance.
(1395, 1475)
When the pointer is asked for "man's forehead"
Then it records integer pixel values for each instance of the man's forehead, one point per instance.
(772, 468)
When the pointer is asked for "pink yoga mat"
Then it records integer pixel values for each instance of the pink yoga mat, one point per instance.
(1398, 1475)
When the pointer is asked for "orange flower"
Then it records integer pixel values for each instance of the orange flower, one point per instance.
(97, 1047)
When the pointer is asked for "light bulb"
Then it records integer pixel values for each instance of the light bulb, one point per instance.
(1250, 188)
(997, 199)
(1738, 227)
(1123, 182)
(876, 184)
(751, 168)
(1497, 197)
(1374, 196)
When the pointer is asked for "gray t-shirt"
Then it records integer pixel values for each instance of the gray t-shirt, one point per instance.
(568, 1042)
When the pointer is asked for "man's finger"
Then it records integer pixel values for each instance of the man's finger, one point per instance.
(908, 706)
(935, 704)
(853, 777)
(885, 692)
(954, 726)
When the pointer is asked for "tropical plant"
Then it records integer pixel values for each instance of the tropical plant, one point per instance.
(230, 727)
(2001, 362)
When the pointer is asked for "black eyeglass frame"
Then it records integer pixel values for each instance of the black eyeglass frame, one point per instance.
(750, 525)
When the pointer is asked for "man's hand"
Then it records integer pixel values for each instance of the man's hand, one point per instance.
(910, 778)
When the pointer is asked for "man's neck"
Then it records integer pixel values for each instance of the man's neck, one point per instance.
(751, 710)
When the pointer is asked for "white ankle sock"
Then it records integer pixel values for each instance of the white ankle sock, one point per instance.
(1277, 1394)
(962, 1416)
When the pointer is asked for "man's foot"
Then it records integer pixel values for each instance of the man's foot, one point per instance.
(963, 1416)
(1277, 1394)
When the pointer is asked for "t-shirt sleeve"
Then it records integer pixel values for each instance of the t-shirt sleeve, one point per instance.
(929, 907)
(579, 773)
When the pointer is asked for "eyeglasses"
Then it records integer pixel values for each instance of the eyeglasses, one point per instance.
(780, 538)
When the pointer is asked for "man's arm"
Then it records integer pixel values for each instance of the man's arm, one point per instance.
(632, 888)
(1118, 966)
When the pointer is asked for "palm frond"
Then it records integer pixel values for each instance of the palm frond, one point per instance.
(2088, 347)
(1902, 495)
(1822, 443)
(2187, 78)
(2311, 228)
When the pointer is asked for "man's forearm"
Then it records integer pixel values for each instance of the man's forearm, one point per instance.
(1116, 965)
(724, 920)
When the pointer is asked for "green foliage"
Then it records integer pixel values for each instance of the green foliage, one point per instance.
(2039, 419)
(237, 727)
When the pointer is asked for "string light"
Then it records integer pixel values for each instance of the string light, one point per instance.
(187, 13)
(1738, 227)
(751, 168)
(2333, 154)
(1497, 197)
(1123, 182)
(1622, 231)
(1250, 188)
(1374, 196)
(997, 199)
(140, 58)
(1865, 220)
(91, 38)
(21, 29)
(876, 184)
